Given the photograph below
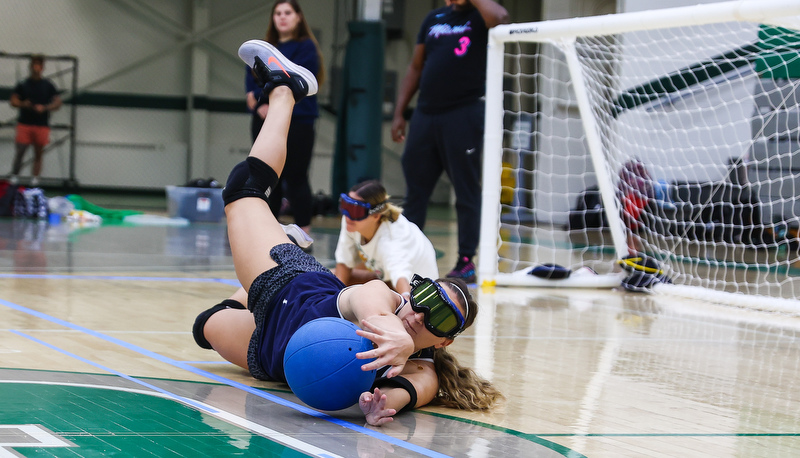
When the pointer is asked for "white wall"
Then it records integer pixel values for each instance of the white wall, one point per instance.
(149, 47)
(144, 48)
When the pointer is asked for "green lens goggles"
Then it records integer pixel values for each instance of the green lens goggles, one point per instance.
(442, 316)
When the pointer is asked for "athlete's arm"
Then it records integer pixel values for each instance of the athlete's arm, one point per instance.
(381, 405)
(372, 306)
(408, 87)
(343, 273)
(251, 101)
(17, 102)
(492, 12)
(55, 104)
(353, 276)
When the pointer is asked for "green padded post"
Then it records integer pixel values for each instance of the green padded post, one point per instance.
(357, 155)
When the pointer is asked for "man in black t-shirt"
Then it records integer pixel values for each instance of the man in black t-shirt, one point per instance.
(35, 97)
(446, 130)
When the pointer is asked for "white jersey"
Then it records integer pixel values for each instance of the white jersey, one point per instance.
(398, 250)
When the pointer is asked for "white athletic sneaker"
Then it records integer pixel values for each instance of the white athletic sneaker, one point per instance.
(274, 69)
(297, 235)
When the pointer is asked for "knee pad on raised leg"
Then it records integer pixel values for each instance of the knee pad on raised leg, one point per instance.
(249, 178)
(202, 318)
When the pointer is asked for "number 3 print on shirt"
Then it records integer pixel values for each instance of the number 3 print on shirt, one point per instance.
(464, 42)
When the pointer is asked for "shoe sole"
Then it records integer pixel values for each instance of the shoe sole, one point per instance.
(275, 61)
(298, 236)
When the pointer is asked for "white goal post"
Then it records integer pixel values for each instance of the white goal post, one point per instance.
(672, 133)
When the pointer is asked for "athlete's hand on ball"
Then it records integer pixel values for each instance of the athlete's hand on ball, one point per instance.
(393, 347)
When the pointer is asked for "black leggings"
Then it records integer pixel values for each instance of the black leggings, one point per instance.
(450, 142)
(294, 183)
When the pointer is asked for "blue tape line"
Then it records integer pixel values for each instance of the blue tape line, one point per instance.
(226, 281)
(225, 381)
(118, 373)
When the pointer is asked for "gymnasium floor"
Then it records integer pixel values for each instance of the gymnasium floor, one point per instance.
(98, 360)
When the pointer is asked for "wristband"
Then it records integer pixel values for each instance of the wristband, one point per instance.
(398, 381)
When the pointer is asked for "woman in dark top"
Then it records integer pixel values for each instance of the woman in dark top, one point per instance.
(289, 32)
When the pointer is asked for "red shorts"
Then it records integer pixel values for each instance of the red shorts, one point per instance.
(32, 135)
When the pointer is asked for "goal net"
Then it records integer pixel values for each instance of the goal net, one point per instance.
(672, 133)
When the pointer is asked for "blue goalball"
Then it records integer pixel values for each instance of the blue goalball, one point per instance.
(321, 367)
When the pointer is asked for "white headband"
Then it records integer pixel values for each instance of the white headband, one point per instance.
(463, 296)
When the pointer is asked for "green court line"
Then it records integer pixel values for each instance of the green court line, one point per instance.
(539, 437)
(529, 437)
(161, 379)
(536, 438)
(151, 425)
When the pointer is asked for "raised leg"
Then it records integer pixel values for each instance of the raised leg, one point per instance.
(252, 228)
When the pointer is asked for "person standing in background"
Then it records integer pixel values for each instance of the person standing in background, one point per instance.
(35, 97)
(289, 32)
(448, 67)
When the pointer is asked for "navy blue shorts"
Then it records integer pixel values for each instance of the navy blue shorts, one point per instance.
(292, 261)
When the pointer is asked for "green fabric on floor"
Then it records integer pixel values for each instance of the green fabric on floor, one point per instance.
(107, 214)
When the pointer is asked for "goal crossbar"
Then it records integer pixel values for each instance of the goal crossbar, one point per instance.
(747, 10)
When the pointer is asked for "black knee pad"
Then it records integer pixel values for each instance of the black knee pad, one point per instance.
(249, 178)
(202, 318)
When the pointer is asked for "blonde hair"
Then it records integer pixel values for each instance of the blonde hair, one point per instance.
(373, 193)
(461, 387)
(302, 32)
